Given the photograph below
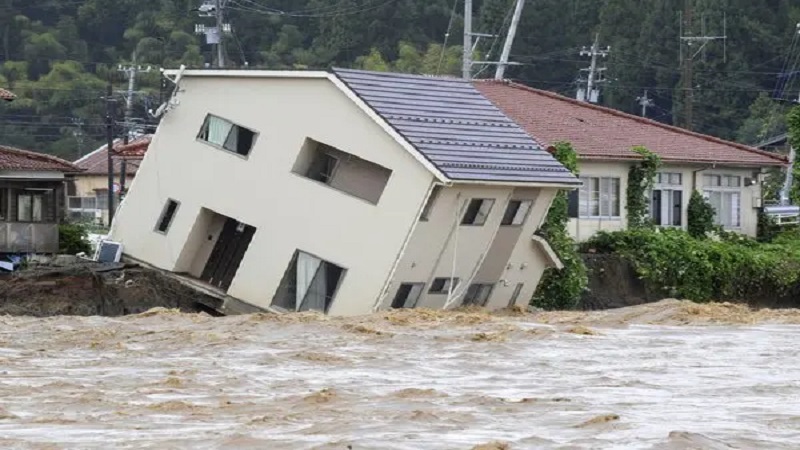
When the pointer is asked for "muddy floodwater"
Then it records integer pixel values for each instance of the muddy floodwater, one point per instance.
(666, 376)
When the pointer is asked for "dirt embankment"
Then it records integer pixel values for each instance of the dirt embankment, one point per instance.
(90, 290)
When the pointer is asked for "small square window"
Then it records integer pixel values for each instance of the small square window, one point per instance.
(165, 220)
(477, 211)
(516, 212)
(443, 285)
(225, 134)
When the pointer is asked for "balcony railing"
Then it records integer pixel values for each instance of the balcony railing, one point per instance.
(28, 237)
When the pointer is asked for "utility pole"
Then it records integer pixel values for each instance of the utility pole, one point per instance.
(131, 71)
(467, 68)
(220, 45)
(215, 35)
(110, 143)
(645, 103)
(695, 45)
(591, 92)
(512, 32)
(78, 133)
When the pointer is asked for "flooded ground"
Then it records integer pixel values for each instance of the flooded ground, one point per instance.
(667, 376)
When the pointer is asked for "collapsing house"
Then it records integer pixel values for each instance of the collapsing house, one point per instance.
(343, 192)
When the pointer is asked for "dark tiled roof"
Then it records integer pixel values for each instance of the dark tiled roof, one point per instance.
(16, 159)
(456, 128)
(6, 95)
(601, 133)
(96, 163)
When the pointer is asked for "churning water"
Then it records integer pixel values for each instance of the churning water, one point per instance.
(640, 378)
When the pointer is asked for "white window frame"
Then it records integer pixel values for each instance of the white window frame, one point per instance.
(520, 215)
(726, 186)
(605, 200)
(668, 183)
(225, 143)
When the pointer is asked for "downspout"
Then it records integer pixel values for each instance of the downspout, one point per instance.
(401, 253)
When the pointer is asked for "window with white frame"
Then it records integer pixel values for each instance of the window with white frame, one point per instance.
(724, 194)
(227, 135)
(599, 197)
(666, 200)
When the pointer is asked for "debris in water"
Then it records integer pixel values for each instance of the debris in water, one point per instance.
(606, 418)
(324, 396)
(488, 337)
(493, 446)
(582, 330)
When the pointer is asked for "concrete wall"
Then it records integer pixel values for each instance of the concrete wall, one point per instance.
(289, 211)
(503, 255)
(692, 176)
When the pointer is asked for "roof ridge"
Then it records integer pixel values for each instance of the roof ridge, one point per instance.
(40, 157)
(635, 118)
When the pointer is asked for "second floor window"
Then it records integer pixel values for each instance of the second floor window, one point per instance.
(226, 135)
(599, 198)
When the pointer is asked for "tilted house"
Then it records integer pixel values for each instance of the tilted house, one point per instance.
(31, 200)
(728, 174)
(342, 192)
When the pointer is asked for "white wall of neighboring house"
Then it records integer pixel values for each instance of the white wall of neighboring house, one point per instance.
(262, 191)
(692, 177)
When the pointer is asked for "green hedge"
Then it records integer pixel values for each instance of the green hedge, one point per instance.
(728, 267)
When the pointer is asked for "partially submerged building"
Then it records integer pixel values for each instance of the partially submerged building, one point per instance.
(31, 200)
(342, 192)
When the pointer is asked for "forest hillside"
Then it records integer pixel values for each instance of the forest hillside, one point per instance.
(57, 55)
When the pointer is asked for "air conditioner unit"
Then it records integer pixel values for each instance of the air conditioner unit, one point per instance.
(108, 252)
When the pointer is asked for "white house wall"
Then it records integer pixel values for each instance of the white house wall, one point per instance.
(289, 211)
(692, 176)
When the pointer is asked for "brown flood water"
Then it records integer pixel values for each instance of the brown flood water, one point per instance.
(667, 376)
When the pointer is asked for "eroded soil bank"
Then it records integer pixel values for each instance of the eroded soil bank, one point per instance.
(91, 289)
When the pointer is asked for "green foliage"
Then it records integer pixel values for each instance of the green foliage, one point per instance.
(731, 267)
(767, 119)
(561, 289)
(701, 216)
(407, 34)
(793, 123)
(640, 181)
(73, 239)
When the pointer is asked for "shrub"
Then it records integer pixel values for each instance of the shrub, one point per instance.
(73, 239)
(701, 216)
(732, 267)
(561, 289)
(640, 181)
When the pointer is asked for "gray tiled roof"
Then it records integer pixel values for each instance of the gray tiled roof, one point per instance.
(456, 128)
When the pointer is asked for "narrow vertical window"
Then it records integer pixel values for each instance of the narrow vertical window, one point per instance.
(516, 212)
(426, 211)
(165, 220)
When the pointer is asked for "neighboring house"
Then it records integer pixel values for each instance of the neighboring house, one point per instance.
(728, 174)
(31, 200)
(88, 194)
(342, 192)
(7, 95)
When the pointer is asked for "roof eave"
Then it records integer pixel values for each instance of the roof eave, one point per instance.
(685, 161)
(533, 184)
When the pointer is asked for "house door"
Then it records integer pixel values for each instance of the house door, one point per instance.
(228, 254)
